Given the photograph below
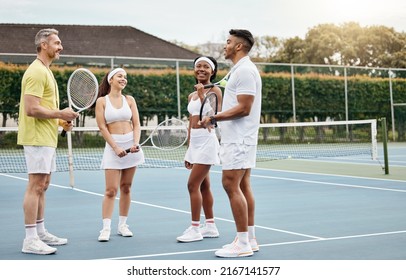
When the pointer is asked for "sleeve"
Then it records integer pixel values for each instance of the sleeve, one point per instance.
(35, 83)
(246, 82)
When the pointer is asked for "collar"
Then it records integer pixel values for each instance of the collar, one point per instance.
(241, 61)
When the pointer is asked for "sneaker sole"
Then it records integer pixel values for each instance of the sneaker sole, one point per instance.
(187, 241)
(125, 235)
(241, 255)
(54, 244)
(38, 253)
(211, 236)
(103, 240)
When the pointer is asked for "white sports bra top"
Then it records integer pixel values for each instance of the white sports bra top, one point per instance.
(194, 106)
(112, 114)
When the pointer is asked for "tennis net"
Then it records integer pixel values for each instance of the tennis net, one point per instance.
(275, 141)
(317, 140)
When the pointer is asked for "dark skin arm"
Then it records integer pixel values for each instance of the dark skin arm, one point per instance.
(242, 109)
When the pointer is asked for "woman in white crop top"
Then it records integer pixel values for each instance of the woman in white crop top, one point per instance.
(202, 153)
(118, 120)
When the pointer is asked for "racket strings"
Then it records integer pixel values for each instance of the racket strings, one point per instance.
(209, 106)
(82, 89)
(169, 135)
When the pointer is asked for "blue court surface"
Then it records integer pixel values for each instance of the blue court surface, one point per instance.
(322, 209)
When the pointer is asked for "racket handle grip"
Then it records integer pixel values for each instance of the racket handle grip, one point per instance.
(129, 149)
(208, 86)
(63, 133)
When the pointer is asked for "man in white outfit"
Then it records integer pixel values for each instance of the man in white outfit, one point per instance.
(240, 118)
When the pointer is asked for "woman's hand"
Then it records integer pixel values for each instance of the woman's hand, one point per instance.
(188, 165)
(135, 148)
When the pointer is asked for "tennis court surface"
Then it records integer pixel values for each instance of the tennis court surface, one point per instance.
(321, 209)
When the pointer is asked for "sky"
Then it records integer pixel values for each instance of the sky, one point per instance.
(197, 22)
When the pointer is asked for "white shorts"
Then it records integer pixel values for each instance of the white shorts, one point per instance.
(203, 147)
(112, 161)
(40, 159)
(237, 156)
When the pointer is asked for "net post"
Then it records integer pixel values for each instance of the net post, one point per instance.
(385, 145)
(70, 159)
(374, 141)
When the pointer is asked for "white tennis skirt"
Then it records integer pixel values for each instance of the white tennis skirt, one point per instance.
(203, 147)
(112, 161)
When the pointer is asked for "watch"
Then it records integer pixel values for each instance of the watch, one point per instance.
(213, 121)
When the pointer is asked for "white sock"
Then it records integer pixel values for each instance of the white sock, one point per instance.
(251, 232)
(195, 223)
(40, 226)
(31, 231)
(243, 237)
(106, 223)
(210, 221)
(122, 220)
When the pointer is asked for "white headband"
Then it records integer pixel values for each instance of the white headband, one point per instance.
(113, 72)
(203, 58)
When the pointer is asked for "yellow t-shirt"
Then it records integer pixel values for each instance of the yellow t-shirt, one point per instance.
(39, 81)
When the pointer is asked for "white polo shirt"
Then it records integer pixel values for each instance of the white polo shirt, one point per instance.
(244, 79)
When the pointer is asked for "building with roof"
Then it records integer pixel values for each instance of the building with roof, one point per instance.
(91, 40)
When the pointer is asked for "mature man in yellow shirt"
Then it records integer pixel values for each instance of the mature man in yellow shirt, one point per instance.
(38, 121)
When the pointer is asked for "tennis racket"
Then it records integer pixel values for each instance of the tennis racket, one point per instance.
(209, 106)
(168, 135)
(82, 90)
(222, 83)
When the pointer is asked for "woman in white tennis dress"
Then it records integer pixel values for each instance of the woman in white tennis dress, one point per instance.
(118, 120)
(202, 153)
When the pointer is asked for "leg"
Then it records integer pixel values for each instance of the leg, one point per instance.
(34, 198)
(197, 176)
(249, 196)
(126, 179)
(231, 183)
(207, 198)
(209, 229)
(241, 246)
(37, 241)
(112, 178)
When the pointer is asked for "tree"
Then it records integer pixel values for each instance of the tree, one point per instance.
(322, 44)
(291, 51)
(265, 48)
(351, 44)
(10, 90)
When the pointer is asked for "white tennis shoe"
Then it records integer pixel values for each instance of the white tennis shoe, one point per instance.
(253, 244)
(191, 234)
(235, 250)
(51, 239)
(104, 235)
(124, 231)
(209, 230)
(36, 246)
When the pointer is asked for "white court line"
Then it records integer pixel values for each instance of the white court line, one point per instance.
(262, 245)
(331, 175)
(329, 183)
(324, 183)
